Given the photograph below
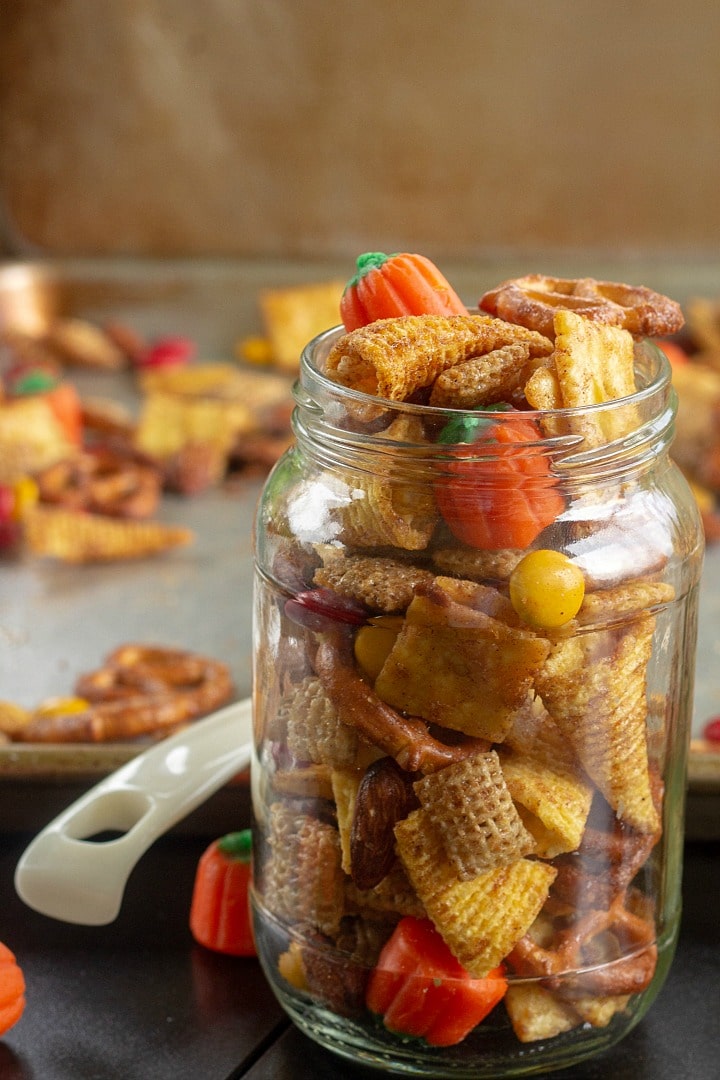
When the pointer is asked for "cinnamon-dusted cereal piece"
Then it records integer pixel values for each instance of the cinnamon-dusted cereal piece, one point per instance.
(624, 601)
(483, 380)
(76, 537)
(458, 666)
(313, 729)
(384, 585)
(471, 806)
(476, 564)
(303, 880)
(533, 300)
(480, 919)
(392, 358)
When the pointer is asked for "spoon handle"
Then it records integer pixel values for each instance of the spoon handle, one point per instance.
(66, 874)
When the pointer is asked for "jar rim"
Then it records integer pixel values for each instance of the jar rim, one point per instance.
(657, 378)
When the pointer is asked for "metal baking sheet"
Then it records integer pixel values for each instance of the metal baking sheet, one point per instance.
(57, 621)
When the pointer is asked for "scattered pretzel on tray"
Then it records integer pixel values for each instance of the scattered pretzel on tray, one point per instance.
(139, 692)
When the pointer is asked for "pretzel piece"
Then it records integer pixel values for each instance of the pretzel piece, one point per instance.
(533, 300)
(102, 481)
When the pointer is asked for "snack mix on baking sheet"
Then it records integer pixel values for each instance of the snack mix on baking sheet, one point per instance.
(471, 602)
(82, 478)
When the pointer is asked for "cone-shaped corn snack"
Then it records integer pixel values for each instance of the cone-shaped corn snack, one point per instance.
(393, 358)
(76, 537)
(594, 687)
(480, 919)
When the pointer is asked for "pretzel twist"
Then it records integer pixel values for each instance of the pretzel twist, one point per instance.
(103, 481)
(562, 965)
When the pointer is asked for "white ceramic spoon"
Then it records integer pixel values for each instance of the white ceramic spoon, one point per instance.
(67, 875)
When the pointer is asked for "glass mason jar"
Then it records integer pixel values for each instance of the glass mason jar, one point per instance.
(468, 808)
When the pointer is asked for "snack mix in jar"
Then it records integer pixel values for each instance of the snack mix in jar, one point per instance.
(475, 620)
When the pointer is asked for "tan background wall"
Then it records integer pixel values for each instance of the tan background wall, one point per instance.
(313, 128)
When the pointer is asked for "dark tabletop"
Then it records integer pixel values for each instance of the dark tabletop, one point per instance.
(139, 1000)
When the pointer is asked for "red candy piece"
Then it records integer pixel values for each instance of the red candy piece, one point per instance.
(317, 607)
(168, 352)
(712, 730)
(7, 502)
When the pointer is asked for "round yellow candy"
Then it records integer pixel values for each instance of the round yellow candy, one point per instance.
(547, 589)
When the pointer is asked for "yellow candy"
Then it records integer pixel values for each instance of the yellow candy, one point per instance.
(374, 642)
(547, 589)
(254, 350)
(25, 491)
(60, 706)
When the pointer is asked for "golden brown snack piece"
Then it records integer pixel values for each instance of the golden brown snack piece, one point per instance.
(483, 380)
(196, 419)
(102, 481)
(295, 315)
(476, 564)
(81, 343)
(552, 803)
(537, 1014)
(473, 810)
(704, 327)
(76, 537)
(480, 919)
(303, 880)
(384, 585)
(406, 738)
(31, 438)
(593, 364)
(392, 358)
(533, 300)
(551, 791)
(13, 718)
(460, 666)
